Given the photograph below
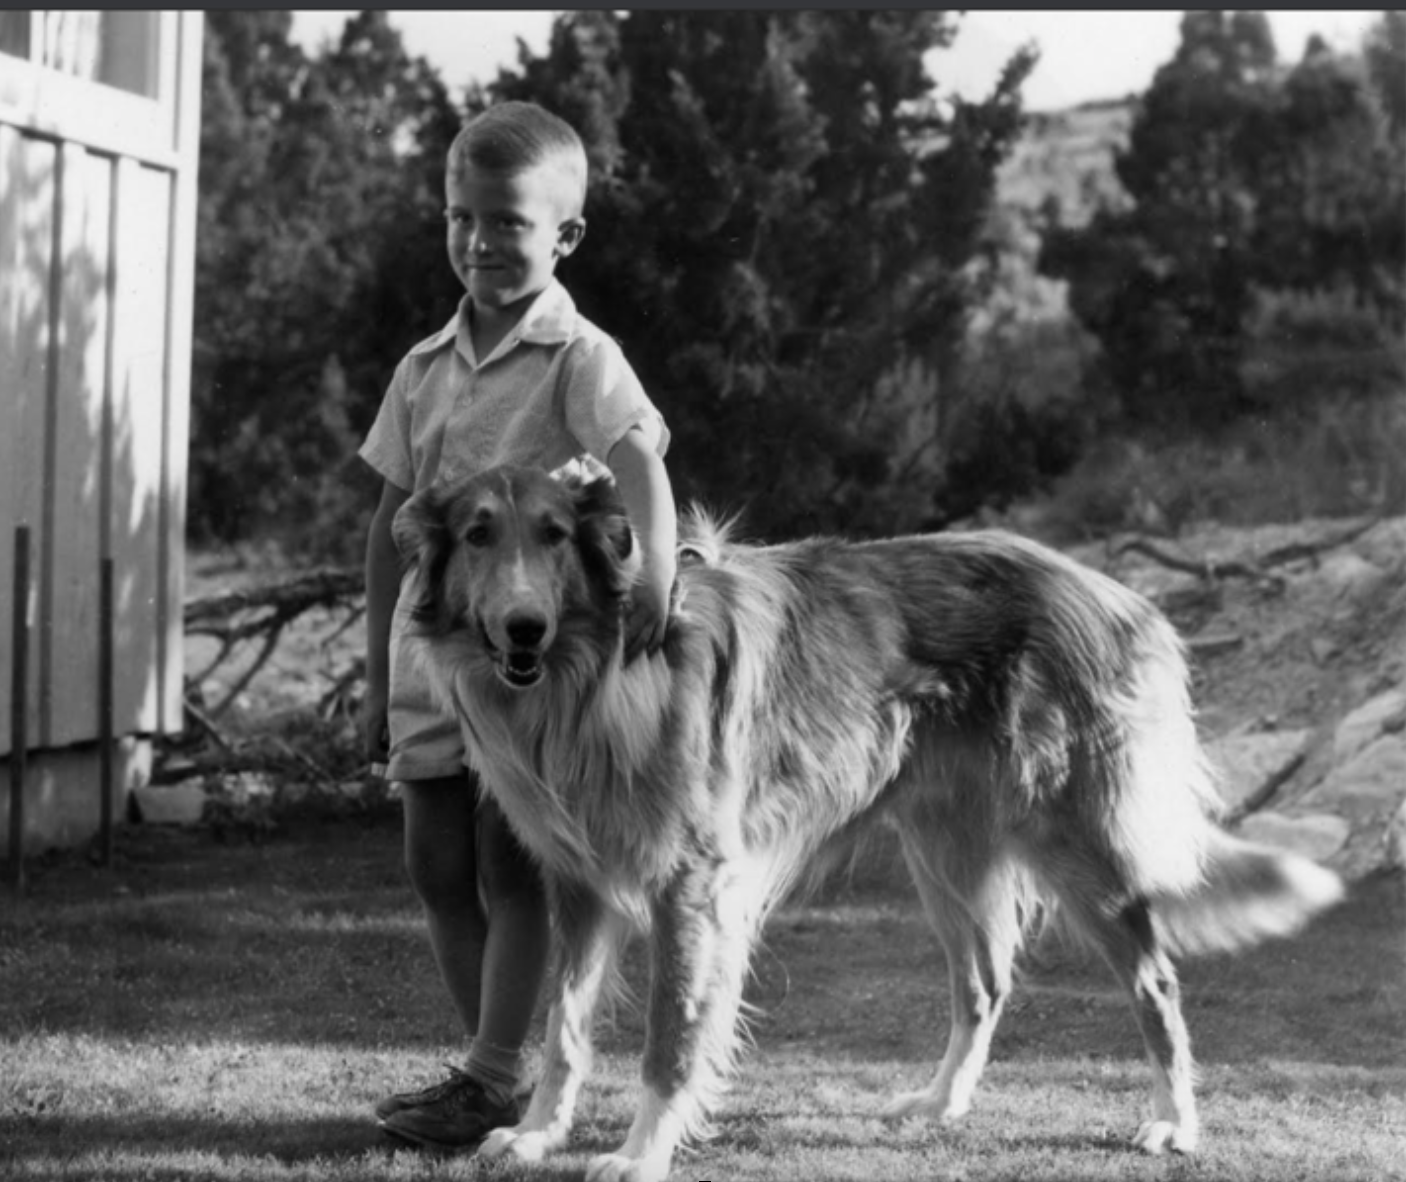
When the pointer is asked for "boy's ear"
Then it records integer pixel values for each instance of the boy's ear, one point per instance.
(569, 235)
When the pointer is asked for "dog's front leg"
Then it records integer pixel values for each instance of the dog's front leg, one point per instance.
(704, 926)
(589, 938)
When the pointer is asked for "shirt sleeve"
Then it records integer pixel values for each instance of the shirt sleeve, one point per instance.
(387, 445)
(604, 399)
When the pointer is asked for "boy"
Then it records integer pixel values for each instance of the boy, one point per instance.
(516, 377)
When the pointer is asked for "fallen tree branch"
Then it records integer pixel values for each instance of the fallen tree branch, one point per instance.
(1257, 569)
(322, 588)
(1209, 569)
(1311, 550)
(261, 614)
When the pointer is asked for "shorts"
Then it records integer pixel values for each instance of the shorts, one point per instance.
(425, 741)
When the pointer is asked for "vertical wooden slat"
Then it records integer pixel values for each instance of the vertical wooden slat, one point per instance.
(143, 210)
(76, 470)
(181, 308)
(27, 196)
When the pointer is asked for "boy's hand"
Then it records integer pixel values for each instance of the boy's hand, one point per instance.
(375, 728)
(646, 619)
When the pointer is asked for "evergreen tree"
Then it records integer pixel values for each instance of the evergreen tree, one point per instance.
(1165, 286)
(778, 231)
(320, 259)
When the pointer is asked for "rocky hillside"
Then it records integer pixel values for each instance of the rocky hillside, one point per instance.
(1298, 639)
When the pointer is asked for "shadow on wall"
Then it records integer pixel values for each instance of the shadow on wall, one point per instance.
(89, 462)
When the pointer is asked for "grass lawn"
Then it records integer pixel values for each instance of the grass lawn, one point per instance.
(221, 1011)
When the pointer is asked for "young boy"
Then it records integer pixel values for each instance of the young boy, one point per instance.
(516, 377)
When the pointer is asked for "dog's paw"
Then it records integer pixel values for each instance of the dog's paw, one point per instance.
(1156, 1136)
(922, 1104)
(615, 1167)
(520, 1144)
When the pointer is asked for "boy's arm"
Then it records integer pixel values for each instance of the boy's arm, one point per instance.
(382, 587)
(649, 499)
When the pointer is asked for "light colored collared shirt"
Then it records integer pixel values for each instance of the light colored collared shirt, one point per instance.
(556, 388)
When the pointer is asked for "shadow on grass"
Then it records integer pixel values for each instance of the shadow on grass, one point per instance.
(162, 1135)
(190, 1149)
(313, 937)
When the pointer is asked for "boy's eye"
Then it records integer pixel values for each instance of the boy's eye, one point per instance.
(457, 217)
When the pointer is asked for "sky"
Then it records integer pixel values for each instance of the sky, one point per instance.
(1084, 55)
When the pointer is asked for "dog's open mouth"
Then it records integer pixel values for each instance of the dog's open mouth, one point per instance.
(519, 669)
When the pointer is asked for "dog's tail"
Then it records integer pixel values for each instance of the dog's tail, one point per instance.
(1247, 893)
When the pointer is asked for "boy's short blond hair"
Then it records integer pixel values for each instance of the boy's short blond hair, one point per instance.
(513, 137)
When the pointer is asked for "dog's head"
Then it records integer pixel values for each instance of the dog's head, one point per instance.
(512, 554)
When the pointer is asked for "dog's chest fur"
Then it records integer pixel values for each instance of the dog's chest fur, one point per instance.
(575, 767)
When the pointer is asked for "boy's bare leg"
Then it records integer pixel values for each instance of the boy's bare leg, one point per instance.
(515, 950)
(491, 954)
(442, 863)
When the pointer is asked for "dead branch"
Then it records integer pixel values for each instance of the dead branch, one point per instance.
(1257, 569)
(1203, 568)
(322, 588)
(261, 614)
(1295, 551)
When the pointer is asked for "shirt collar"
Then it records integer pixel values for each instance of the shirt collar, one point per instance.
(549, 320)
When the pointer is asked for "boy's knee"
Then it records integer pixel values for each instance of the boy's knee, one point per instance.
(506, 868)
(439, 848)
(443, 880)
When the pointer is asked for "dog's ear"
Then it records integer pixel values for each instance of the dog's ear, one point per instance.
(421, 534)
(606, 539)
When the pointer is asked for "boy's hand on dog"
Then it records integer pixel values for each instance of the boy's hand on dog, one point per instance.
(646, 620)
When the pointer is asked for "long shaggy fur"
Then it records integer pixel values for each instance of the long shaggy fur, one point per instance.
(1022, 721)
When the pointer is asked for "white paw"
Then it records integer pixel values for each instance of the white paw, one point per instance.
(614, 1167)
(921, 1104)
(1155, 1136)
(519, 1143)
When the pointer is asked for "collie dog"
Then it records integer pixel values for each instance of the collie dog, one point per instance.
(1021, 721)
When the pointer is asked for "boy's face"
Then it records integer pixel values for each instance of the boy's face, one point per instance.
(507, 231)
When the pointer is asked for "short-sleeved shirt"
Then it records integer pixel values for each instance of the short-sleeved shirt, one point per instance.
(554, 389)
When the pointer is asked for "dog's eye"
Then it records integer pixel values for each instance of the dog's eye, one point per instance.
(476, 535)
(555, 535)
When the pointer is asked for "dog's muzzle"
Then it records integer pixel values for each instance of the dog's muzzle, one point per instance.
(519, 665)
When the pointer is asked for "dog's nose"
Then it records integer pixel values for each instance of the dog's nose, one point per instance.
(526, 631)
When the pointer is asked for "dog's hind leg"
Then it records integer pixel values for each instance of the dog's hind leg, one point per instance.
(1096, 897)
(705, 923)
(971, 903)
(1129, 943)
(590, 936)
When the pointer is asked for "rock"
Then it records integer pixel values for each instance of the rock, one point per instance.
(1384, 713)
(1350, 575)
(1323, 650)
(1368, 792)
(1253, 766)
(1317, 836)
(171, 804)
(1371, 780)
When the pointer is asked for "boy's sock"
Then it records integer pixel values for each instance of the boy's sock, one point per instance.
(496, 1068)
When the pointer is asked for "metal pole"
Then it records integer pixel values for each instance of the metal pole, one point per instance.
(105, 708)
(19, 705)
